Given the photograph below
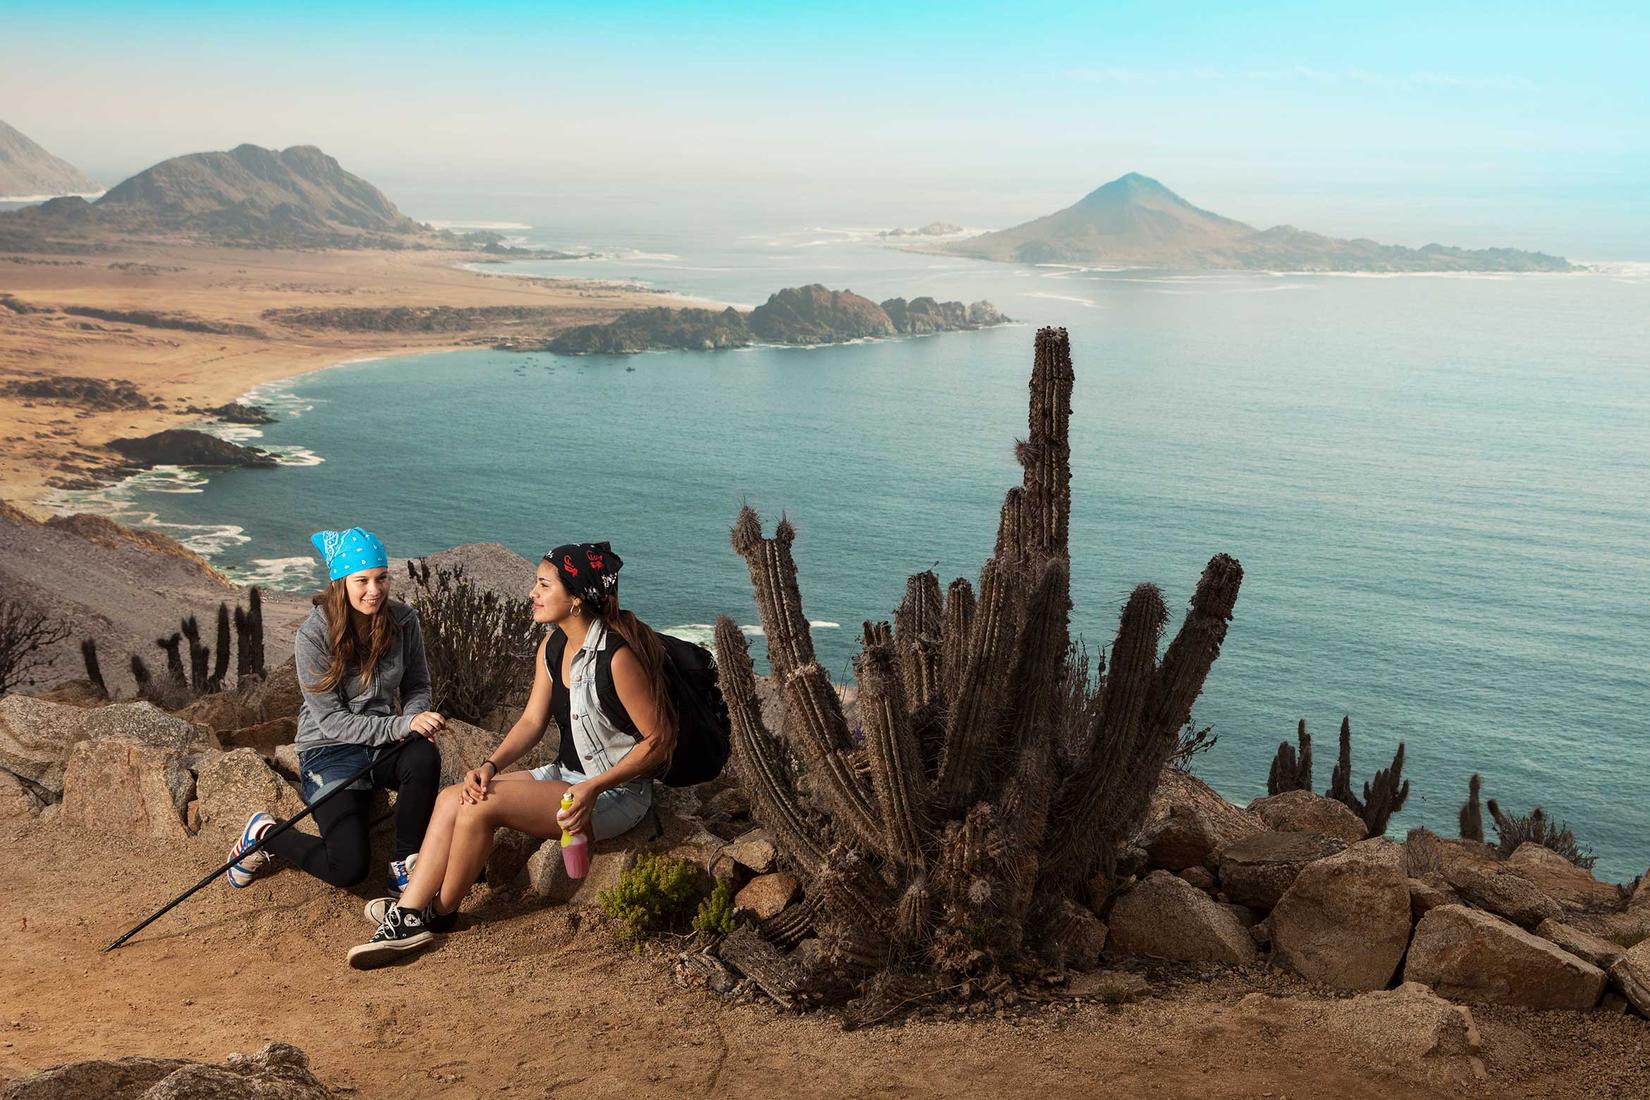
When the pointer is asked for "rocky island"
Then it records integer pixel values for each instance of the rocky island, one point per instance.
(188, 447)
(1135, 221)
(796, 316)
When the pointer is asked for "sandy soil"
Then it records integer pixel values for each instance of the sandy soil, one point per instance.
(219, 285)
(529, 1001)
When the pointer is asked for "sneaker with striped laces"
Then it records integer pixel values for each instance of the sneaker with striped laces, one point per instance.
(241, 872)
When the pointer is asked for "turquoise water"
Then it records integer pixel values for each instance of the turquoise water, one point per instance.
(1437, 488)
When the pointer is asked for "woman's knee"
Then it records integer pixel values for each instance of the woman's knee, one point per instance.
(346, 869)
(477, 815)
(419, 760)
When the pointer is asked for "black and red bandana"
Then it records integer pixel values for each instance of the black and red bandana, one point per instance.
(588, 570)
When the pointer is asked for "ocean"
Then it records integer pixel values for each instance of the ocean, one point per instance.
(1438, 486)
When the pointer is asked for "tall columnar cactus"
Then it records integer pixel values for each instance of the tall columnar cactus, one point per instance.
(1292, 766)
(1383, 796)
(172, 645)
(94, 671)
(249, 636)
(995, 776)
(1472, 813)
(198, 656)
(220, 663)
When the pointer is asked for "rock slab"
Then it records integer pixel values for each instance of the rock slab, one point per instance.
(1465, 954)
(1168, 918)
(1257, 869)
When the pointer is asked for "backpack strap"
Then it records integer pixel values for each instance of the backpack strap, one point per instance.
(607, 693)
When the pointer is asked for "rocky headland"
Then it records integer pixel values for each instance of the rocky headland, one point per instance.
(188, 447)
(796, 316)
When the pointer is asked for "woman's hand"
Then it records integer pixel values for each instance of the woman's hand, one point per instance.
(577, 819)
(478, 781)
(428, 723)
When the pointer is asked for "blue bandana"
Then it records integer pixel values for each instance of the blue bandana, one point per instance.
(351, 551)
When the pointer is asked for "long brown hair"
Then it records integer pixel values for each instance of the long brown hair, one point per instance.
(650, 651)
(343, 645)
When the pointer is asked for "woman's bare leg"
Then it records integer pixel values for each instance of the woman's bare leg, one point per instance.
(527, 804)
(432, 854)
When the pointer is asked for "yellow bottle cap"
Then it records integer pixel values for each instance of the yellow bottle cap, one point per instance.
(567, 800)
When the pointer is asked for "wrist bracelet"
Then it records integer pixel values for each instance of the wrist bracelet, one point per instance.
(484, 763)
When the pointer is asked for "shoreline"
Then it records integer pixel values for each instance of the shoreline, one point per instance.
(217, 337)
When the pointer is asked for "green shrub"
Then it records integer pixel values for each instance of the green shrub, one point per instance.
(654, 894)
(716, 911)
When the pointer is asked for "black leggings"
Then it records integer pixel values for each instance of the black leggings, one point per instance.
(340, 854)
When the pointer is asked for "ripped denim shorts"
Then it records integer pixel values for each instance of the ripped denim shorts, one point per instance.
(325, 766)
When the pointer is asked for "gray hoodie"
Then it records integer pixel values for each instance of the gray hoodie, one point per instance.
(350, 714)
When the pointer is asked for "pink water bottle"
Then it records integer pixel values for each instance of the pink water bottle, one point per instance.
(575, 847)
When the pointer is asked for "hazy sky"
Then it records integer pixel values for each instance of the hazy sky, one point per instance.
(1516, 123)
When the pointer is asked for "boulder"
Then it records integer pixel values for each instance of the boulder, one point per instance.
(464, 747)
(507, 862)
(285, 760)
(1392, 1026)
(221, 712)
(1305, 812)
(1504, 892)
(1201, 877)
(237, 784)
(17, 799)
(1631, 975)
(278, 695)
(1344, 921)
(106, 1079)
(753, 850)
(126, 787)
(1561, 880)
(36, 738)
(1597, 950)
(548, 880)
(279, 1071)
(143, 722)
(263, 738)
(1256, 870)
(1468, 955)
(767, 895)
(1169, 918)
(1428, 893)
(1188, 823)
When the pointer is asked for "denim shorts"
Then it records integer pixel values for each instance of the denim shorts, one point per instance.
(325, 766)
(618, 810)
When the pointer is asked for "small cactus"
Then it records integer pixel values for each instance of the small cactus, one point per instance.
(1292, 767)
(198, 656)
(1472, 815)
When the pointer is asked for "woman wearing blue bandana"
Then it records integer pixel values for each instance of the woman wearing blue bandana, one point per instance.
(360, 661)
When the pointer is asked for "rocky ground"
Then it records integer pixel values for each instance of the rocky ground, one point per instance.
(1268, 950)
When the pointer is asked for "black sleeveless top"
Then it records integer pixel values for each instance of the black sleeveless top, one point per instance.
(561, 700)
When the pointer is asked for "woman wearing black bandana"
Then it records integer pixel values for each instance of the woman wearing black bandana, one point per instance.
(606, 760)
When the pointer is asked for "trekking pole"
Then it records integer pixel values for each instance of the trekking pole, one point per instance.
(277, 830)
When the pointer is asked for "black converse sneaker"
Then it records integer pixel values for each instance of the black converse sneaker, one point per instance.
(438, 922)
(402, 932)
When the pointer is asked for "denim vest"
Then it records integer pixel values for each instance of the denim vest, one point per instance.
(600, 743)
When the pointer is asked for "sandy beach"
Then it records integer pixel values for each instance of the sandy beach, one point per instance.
(53, 443)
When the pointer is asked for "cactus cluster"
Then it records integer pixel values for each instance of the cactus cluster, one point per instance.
(204, 673)
(995, 778)
(1383, 796)
(1512, 830)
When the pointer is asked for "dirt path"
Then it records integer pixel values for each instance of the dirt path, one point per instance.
(530, 1001)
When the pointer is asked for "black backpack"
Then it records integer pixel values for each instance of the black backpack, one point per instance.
(702, 725)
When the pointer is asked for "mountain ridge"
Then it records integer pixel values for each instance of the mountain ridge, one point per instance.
(294, 197)
(27, 169)
(1136, 221)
